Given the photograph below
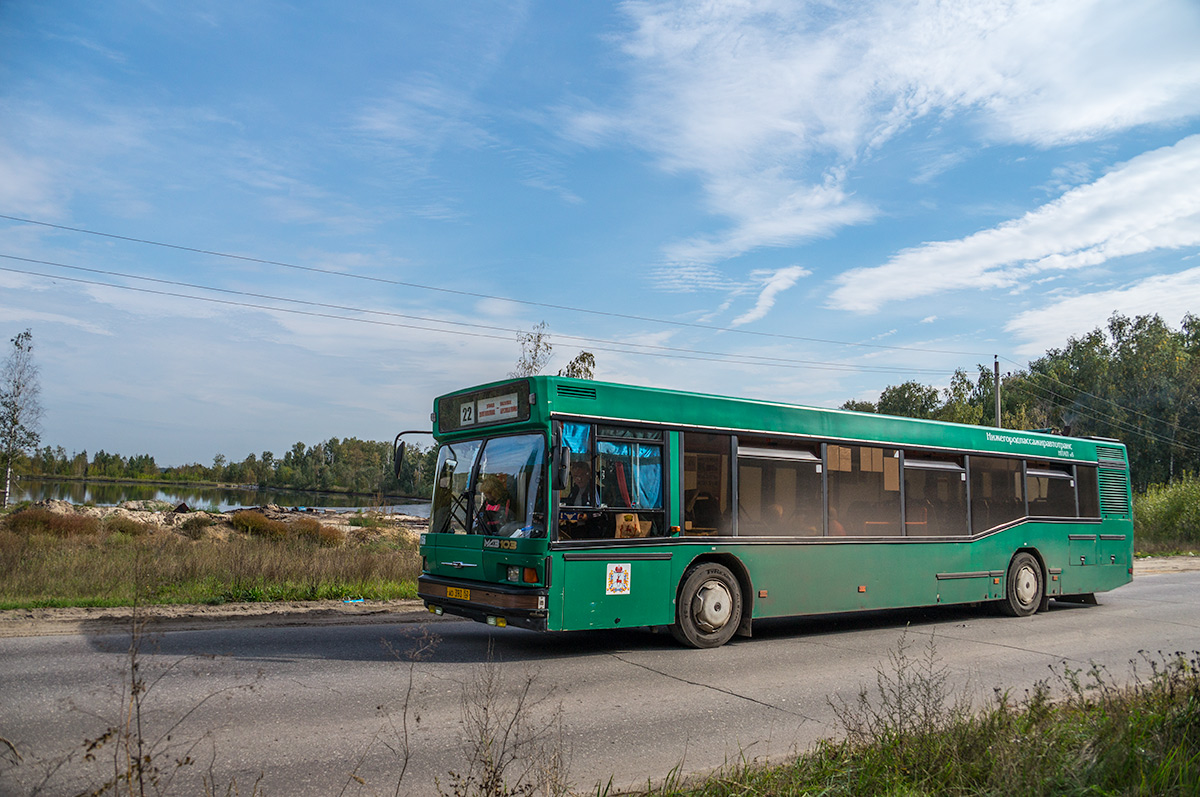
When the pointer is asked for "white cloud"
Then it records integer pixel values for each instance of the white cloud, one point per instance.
(770, 101)
(27, 186)
(1148, 203)
(1170, 296)
(774, 283)
(24, 315)
(424, 115)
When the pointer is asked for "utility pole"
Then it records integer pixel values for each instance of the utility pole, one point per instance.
(996, 379)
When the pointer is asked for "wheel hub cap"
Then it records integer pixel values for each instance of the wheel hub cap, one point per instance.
(712, 606)
(1026, 586)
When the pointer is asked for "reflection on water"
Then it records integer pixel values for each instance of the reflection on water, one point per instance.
(216, 498)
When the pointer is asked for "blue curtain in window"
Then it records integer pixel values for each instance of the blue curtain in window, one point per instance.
(649, 477)
(576, 437)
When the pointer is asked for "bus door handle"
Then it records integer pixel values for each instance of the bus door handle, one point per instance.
(458, 565)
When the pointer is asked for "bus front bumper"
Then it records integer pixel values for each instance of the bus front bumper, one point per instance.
(493, 604)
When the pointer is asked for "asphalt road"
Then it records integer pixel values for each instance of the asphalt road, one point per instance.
(315, 710)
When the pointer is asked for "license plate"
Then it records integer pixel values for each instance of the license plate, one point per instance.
(458, 593)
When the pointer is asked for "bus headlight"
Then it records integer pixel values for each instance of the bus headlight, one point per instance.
(514, 573)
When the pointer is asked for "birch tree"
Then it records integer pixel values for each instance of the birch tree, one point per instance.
(20, 405)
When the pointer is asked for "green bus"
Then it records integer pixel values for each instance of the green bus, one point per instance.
(564, 504)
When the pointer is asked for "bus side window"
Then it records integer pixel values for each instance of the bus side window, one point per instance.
(997, 492)
(864, 490)
(779, 488)
(935, 495)
(706, 483)
(629, 467)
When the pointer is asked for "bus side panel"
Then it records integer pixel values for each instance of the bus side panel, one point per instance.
(838, 577)
(616, 590)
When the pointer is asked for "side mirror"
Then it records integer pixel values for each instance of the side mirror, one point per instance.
(398, 448)
(562, 468)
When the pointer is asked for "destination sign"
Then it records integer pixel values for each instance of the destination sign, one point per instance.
(501, 404)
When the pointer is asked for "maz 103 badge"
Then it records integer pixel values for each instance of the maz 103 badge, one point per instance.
(617, 582)
(507, 545)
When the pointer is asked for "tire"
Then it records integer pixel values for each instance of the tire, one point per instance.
(709, 610)
(1025, 587)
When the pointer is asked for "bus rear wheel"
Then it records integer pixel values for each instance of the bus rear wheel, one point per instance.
(710, 607)
(1024, 589)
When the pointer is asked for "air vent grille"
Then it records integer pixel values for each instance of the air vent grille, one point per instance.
(1110, 457)
(577, 392)
(1114, 481)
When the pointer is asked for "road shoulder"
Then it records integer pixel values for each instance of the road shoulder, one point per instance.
(86, 620)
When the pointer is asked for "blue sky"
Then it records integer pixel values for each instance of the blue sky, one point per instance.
(788, 200)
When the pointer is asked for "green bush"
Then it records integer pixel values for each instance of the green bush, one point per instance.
(117, 524)
(1167, 516)
(258, 524)
(193, 528)
(312, 530)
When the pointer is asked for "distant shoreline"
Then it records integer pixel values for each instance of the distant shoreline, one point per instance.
(397, 499)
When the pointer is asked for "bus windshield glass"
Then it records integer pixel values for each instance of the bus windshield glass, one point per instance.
(494, 487)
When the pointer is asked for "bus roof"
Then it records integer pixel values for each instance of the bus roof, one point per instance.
(587, 399)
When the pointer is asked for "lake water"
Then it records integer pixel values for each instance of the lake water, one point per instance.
(220, 498)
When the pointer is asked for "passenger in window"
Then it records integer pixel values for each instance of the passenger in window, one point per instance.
(773, 517)
(836, 529)
(576, 525)
(583, 491)
(495, 505)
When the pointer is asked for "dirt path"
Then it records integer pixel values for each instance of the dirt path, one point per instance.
(87, 620)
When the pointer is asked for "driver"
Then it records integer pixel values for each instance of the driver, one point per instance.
(495, 505)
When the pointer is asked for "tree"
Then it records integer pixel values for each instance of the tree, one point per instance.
(911, 399)
(20, 405)
(535, 351)
(962, 400)
(582, 367)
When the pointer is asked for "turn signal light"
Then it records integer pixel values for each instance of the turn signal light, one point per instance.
(531, 576)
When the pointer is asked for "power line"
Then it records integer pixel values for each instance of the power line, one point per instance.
(1174, 427)
(472, 294)
(657, 351)
(1097, 415)
(177, 283)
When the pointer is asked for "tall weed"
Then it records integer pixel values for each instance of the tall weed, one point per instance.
(513, 738)
(1078, 732)
(37, 520)
(42, 570)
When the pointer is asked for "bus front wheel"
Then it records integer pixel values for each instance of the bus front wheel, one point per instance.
(1024, 588)
(709, 608)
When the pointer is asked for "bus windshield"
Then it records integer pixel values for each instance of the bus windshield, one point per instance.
(494, 486)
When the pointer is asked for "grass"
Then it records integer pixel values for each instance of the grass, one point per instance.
(910, 737)
(1167, 517)
(50, 560)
